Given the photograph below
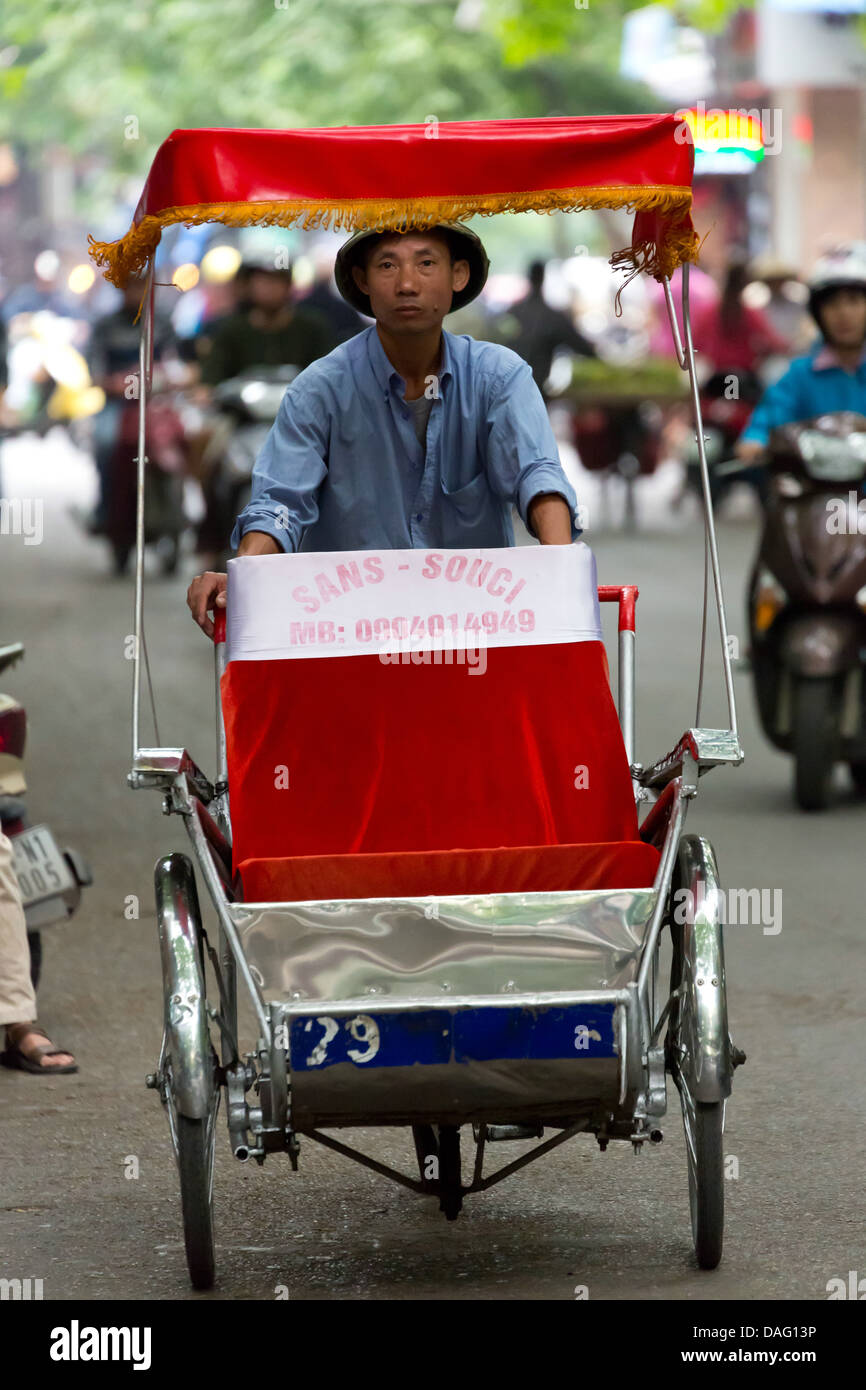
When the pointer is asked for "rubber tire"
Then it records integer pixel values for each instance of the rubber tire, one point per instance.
(858, 776)
(814, 742)
(120, 553)
(34, 941)
(169, 554)
(707, 1201)
(194, 1167)
(450, 1189)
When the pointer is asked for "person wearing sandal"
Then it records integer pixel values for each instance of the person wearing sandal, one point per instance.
(28, 1048)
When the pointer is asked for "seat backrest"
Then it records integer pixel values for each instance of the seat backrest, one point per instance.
(391, 700)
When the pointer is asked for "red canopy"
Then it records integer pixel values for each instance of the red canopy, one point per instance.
(415, 175)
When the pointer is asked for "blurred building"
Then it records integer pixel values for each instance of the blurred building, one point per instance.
(797, 70)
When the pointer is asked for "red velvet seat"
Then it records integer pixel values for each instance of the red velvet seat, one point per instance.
(354, 778)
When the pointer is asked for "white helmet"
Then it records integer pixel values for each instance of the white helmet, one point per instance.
(844, 268)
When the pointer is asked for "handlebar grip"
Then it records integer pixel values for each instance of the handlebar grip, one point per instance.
(219, 626)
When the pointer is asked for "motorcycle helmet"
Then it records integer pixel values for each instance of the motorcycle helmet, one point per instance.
(842, 269)
(270, 260)
(466, 245)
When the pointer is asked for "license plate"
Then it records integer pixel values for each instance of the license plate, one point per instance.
(42, 871)
(440, 1036)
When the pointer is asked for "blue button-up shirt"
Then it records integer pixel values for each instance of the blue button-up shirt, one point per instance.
(813, 385)
(342, 468)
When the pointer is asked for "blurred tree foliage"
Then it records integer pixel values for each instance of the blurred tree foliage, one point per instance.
(115, 76)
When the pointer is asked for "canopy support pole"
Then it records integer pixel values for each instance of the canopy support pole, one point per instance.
(686, 358)
(145, 363)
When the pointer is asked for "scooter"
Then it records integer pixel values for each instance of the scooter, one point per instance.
(246, 407)
(725, 416)
(50, 878)
(164, 517)
(807, 602)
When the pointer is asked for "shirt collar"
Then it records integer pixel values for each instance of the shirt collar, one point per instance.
(387, 375)
(826, 357)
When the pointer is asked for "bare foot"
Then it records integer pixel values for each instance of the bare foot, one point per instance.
(34, 1044)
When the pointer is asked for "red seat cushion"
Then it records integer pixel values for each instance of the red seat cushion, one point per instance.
(348, 755)
(515, 869)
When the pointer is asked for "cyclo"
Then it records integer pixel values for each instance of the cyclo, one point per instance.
(454, 934)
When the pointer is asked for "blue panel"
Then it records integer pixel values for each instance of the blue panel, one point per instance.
(438, 1036)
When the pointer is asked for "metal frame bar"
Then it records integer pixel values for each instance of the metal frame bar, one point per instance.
(626, 596)
(686, 359)
(478, 1184)
(145, 369)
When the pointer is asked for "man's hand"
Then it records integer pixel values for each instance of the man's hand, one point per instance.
(749, 450)
(207, 592)
(550, 519)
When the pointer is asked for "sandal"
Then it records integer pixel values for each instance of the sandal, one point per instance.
(16, 1060)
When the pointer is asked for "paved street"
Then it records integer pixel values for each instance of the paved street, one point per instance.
(614, 1222)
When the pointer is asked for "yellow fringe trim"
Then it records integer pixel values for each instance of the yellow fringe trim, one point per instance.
(122, 258)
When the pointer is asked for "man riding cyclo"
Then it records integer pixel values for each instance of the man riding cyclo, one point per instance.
(832, 377)
(405, 436)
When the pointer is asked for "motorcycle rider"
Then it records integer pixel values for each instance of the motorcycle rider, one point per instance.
(832, 377)
(406, 435)
(113, 358)
(266, 330)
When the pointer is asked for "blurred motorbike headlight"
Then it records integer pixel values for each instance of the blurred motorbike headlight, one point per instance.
(788, 485)
(770, 598)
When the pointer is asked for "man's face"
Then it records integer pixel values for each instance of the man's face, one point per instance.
(843, 318)
(268, 291)
(410, 280)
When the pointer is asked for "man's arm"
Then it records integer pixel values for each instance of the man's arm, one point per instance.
(523, 461)
(781, 404)
(550, 519)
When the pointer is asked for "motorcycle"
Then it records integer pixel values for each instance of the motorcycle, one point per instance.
(725, 416)
(164, 517)
(50, 878)
(807, 602)
(246, 407)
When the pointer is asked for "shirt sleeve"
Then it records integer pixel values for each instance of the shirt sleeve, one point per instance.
(287, 475)
(781, 404)
(522, 457)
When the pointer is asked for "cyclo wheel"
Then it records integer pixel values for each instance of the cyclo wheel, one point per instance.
(189, 1070)
(699, 1053)
(450, 1187)
(195, 1156)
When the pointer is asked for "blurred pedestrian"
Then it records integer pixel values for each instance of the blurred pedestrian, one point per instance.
(731, 336)
(786, 306)
(28, 1048)
(541, 329)
(342, 320)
